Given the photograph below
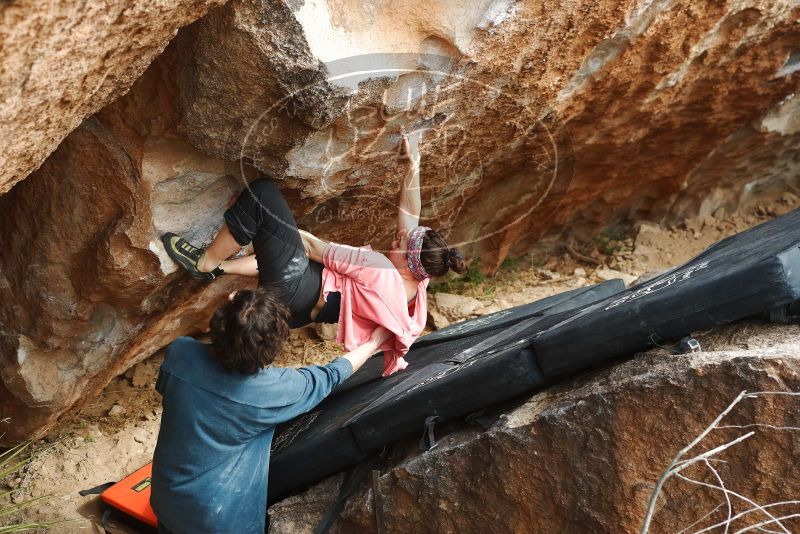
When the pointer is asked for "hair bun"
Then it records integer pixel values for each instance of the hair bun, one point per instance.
(455, 261)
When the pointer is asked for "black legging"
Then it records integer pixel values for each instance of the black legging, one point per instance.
(261, 215)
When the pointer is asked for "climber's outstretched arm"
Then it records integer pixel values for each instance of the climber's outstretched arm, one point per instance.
(410, 203)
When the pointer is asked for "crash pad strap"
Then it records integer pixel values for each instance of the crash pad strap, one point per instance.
(491, 342)
(786, 314)
(428, 440)
(377, 501)
(97, 490)
(104, 519)
(350, 484)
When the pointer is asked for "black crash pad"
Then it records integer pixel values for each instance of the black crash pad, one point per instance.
(465, 369)
(448, 390)
(742, 275)
(322, 442)
(568, 300)
(490, 324)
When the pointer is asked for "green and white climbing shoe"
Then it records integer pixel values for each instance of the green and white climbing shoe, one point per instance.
(186, 255)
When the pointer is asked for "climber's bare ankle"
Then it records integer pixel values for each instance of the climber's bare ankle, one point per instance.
(205, 264)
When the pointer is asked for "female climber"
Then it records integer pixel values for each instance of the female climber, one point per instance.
(327, 282)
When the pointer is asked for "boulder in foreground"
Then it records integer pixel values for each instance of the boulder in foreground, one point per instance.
(584, 457)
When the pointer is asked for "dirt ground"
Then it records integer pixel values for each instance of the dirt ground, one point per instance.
(116, 433)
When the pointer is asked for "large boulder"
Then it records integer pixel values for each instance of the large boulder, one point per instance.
(63, 61)
(86, 288)
(586, 456)
(549, 119)
(542, 121)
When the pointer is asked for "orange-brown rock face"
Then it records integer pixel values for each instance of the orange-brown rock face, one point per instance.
(63, 61)
(543, 122)
(82, 293)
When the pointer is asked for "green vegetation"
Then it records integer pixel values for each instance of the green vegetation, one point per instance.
(457, 284)
(614, 240)
(511, 263)
(12, 461)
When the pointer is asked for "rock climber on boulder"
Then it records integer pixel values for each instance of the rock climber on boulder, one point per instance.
(323, 282)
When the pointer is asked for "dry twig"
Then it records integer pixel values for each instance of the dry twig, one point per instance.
(679, 463)
(570, 247)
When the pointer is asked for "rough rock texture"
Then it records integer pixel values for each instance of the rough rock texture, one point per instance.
(83, 289)
(613, 108)
(729, 173)
(63, 61)
(584, 457)
(446, 308)
(545, 122)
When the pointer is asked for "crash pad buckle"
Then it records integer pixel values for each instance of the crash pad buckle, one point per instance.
(686, 345)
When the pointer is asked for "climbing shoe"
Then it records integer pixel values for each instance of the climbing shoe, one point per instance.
(186, 255)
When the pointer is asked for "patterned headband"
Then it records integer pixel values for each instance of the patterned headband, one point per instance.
(414, 250)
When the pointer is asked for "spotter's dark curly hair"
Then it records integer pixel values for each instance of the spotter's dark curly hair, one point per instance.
(248, 331)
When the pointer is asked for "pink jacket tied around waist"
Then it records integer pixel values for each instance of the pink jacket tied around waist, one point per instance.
(373, 293)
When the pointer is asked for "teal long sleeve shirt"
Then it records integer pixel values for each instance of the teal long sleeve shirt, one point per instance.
(211, 461)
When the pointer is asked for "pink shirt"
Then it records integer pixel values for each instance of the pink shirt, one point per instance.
(373, 293)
